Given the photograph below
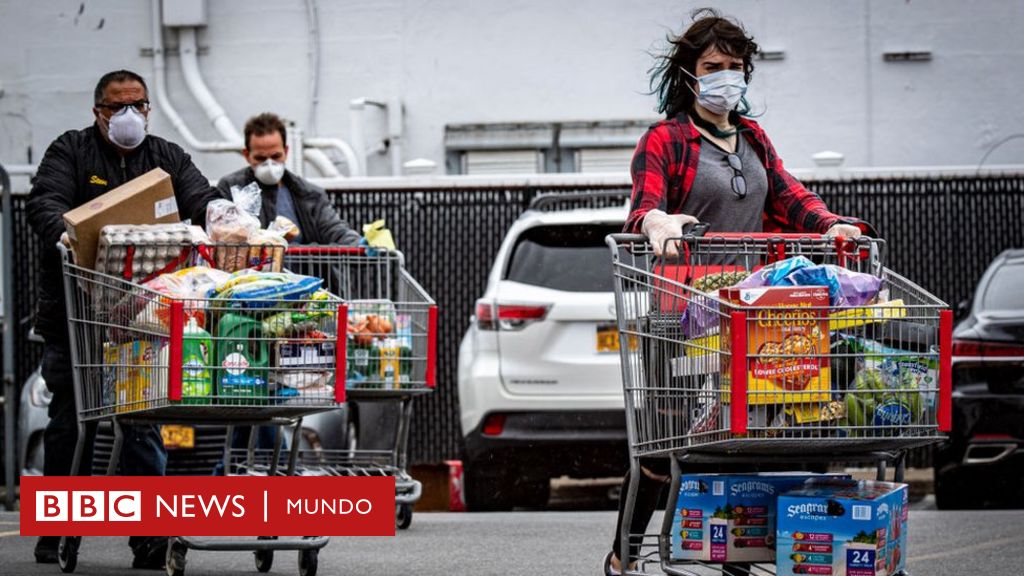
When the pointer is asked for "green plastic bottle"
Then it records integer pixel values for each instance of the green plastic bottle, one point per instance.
(197, 376)
(243, 357)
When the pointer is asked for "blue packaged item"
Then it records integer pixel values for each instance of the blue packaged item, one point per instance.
(845, 287)
(842, 528)
(776, 274)
(729, 517)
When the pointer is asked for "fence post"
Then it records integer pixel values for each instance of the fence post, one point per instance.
(9, 326)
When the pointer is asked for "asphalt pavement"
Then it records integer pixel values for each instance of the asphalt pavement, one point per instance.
(942, 543)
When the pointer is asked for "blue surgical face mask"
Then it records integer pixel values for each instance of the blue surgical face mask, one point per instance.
(720, 91)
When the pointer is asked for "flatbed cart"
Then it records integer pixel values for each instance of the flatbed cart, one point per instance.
(138, 358)
(694, 362)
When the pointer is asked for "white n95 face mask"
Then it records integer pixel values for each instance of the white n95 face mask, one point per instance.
(720, 91)
(269, 172)
(127, 128)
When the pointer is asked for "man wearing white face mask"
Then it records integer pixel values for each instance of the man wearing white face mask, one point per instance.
(77, 167)
(284, 193)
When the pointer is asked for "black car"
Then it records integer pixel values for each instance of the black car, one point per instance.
(983, 462)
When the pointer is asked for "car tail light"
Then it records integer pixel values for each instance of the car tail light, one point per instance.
(983, 349)
(509, 317)
(494, 425)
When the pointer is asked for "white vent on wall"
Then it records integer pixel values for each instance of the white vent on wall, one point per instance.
(589, 160)
(501, 162)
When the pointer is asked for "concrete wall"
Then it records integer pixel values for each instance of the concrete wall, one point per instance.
(475, 61)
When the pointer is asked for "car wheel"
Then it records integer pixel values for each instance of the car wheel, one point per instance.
(486, 493)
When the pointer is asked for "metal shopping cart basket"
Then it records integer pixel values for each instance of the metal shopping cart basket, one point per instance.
(143, 353)
(709, 378)
(390, 359)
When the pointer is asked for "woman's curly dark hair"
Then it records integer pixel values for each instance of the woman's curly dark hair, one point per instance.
(672, 86)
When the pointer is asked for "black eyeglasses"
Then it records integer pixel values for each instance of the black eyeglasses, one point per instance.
(139, 105)
(739, 184)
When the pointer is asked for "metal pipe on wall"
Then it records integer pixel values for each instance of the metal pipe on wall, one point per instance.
(354, 167)
(188, 51)
(163, 103)
(321, 162)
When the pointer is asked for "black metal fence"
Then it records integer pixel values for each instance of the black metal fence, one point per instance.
(941, 232)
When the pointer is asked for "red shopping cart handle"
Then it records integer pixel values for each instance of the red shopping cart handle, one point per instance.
(763, 236)
(301, 250)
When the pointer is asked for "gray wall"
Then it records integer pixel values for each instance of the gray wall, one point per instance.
(469, 61)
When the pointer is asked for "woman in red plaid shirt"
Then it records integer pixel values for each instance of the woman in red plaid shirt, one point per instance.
(709, 162)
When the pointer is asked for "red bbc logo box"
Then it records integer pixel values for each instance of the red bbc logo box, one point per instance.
(207, 505)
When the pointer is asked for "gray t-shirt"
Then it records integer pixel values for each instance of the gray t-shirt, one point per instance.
(712, 199)
(286, 208)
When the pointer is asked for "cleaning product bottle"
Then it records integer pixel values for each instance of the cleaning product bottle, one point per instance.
(197, 376)
(242, 358)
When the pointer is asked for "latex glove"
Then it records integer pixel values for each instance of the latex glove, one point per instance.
(66, 240)
(844, 230)
(659, 227)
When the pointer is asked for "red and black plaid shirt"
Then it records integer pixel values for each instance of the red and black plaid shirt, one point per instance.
(665, 164)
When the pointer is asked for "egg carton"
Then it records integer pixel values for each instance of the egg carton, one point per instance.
(153, 247)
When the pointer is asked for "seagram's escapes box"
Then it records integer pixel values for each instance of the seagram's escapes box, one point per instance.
(730, 517)
(842, 528)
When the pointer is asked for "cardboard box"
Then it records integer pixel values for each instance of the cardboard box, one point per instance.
(789, 329)
(730, 517)
(842, 528)
(148, 199)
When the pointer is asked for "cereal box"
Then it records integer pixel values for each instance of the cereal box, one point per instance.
(729, 518)
(842, 528)
(787, 343)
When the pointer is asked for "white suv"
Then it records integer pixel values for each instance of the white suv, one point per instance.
(540, 383)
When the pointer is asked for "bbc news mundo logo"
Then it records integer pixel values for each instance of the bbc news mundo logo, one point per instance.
(88, 506)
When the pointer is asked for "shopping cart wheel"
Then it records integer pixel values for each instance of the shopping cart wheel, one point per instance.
(264, 560)
(176, 559)
(67, 553)
(307, 562)
(403, 516)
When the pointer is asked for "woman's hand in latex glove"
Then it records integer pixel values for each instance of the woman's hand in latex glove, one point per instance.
(660, 227)
(844, 230)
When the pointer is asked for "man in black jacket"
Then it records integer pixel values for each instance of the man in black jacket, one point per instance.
(284, 193)
(77, 167)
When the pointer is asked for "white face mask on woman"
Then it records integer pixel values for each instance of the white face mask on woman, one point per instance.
(269, 172)
(720, 91)
(127, 128)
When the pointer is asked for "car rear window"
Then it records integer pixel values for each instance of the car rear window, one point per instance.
(573, 258)
(1004, 292)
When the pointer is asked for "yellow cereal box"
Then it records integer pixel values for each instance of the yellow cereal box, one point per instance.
(787, 343)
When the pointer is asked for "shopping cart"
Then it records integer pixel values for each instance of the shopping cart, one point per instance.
(142, 356)
(390, 359)
(694, 381)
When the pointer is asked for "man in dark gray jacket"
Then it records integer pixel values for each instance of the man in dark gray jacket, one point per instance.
(284, 193)
(77, 167)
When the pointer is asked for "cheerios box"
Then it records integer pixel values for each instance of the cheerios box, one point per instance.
(787, 343)
(842, 528)
(730, 517)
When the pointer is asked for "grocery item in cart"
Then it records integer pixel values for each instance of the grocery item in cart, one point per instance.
(138, 252)
(255, 289)
(846, 287)
(242, 243)
(788, 343)
(190, 285)
(730, 517)
(197, 376)
(243, 357)
(132, 377)
(842, 528)
(148, 199)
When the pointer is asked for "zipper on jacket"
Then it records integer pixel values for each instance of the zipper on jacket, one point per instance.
(124, 172)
